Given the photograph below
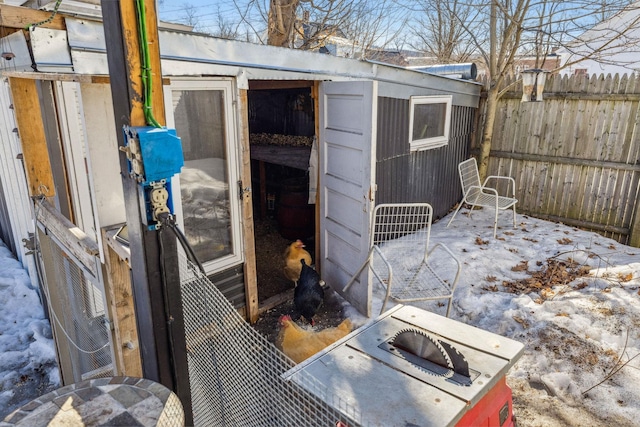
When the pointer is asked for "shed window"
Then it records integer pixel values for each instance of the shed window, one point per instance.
(429, 122)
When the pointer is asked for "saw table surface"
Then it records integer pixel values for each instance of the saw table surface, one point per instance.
(389, 390)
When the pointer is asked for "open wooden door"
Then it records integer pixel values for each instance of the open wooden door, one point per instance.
(347, 184)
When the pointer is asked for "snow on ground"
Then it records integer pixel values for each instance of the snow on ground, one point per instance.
(581, 336)
(28, 366)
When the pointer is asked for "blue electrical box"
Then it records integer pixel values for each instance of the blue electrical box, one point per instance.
(154, 155)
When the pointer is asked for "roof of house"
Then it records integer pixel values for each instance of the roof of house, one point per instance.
(614, 41)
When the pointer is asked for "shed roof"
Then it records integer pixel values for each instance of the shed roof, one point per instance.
(191, 54)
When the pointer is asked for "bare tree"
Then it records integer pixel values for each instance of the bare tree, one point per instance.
(358, 26)
(225, 29)
(438, 30)
(373, 26)
(190, 16)
(281, 22)
(500, 31)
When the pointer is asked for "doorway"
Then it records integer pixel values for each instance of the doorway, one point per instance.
(282, 128)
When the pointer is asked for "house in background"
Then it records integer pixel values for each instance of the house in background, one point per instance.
(618, 39)
(523, 63)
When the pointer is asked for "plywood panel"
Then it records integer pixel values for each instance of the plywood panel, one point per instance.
(32, 137)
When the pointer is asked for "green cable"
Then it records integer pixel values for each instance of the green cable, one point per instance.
(146, 60)
(46, 21)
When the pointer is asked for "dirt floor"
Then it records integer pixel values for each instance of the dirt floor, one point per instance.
(270, 247)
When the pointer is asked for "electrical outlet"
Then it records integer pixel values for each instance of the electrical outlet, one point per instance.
(159, 196)
(160, 209)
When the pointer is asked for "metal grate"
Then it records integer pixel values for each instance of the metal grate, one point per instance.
(235, 374)
(403, 262)
(76, 305)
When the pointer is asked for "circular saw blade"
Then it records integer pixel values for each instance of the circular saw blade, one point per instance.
(424, 347)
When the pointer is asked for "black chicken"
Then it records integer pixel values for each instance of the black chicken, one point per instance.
(308, 295)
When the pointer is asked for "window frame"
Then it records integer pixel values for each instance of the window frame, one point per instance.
(432, 142)
(226, 86)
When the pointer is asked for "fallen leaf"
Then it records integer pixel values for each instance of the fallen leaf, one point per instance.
(520, 320)
(546, 293)
(479, 241)
(522, 266)
(625, 277)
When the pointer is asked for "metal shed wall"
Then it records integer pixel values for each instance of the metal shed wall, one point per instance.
(421, 176)
(231, 284)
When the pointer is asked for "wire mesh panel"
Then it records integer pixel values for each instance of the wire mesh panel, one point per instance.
(236, 374)
(403, 262)
(76, 304)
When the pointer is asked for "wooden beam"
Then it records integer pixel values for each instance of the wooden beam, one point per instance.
(315, 96)
(26, 105)
(80, 245)
(22, 17)
(578, 96)
(618, 166)
(634, 228)
(64, 77)
(250, 271)
(132, 52)
(279, 84)
(122, 309)
(132, 61)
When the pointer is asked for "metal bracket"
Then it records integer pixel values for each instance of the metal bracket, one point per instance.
(30, 243)
(242, 191)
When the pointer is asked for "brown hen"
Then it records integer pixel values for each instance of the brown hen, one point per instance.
(300, 344)
(292, 256)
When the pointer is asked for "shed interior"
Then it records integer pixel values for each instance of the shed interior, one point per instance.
(282, 126)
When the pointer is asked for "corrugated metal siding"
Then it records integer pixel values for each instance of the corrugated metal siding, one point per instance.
(425, 176)
(231, 284)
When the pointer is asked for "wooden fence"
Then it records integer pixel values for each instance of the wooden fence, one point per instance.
(576, 155)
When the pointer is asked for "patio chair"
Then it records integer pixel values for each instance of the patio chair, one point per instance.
(401, 260)
(483, 195)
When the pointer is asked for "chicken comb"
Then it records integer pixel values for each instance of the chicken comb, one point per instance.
(285, 318)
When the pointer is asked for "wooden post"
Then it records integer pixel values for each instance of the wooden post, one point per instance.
(32, 137)
(634, 228)
(315, 95)
(154, 257)
(250, 274)
(122, 311)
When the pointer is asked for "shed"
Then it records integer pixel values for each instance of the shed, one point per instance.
(247, 116)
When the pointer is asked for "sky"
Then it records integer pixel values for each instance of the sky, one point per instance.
(206, 15)
(580, 365)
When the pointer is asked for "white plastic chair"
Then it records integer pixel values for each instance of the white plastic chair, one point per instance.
(476, 194)
(400, 258)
